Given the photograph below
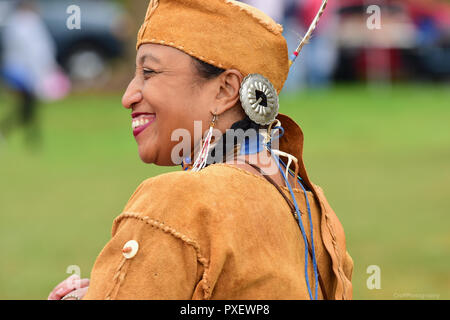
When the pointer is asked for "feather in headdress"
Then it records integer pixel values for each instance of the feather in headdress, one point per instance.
(308, 33)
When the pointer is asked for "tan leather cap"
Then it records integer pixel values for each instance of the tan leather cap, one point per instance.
(225, 33)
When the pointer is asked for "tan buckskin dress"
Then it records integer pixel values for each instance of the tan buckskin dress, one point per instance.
(222, 233)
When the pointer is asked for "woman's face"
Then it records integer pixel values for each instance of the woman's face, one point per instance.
(165, 94)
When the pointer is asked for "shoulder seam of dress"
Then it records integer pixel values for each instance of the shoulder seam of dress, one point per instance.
(189, 241)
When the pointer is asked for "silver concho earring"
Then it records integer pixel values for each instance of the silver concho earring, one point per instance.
(259, 99)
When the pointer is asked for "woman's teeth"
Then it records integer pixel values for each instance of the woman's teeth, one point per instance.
(139, 122)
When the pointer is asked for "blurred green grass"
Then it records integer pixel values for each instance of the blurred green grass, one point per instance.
(382, 157)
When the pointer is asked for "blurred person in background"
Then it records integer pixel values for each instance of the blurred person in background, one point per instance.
(29, 69)
(432, 21)
(285, 12)
(319, 58)
(293, 30)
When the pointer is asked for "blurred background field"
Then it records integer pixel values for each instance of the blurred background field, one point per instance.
(374, 105)
(381, 156)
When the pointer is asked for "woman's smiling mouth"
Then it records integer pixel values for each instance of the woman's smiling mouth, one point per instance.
(141, 121)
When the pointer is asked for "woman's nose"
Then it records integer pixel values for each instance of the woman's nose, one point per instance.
(132, 96)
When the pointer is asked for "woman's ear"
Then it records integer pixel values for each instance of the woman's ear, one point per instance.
(229, 83)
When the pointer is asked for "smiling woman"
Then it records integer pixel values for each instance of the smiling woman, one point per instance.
(162, 71)
(237, 222)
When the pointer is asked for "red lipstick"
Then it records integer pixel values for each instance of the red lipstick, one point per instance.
(141, 121)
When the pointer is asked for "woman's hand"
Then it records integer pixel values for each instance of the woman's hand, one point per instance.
(73, 285)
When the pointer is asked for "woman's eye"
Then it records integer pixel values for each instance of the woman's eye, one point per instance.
(148, 72)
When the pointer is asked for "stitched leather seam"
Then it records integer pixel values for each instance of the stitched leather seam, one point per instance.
(161, 226)
(335, 247)
(116, 276)
(336, 251)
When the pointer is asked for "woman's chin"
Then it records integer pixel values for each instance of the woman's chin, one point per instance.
(146, 160)
(152, 154)
(146, 155)
(149, 157)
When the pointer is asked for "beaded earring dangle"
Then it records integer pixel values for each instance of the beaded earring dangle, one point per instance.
(202, 157)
